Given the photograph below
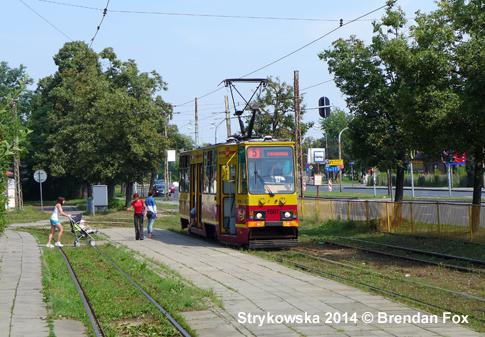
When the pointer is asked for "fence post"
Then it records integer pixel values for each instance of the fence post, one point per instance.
(388, 218)
(471, 222)
(316, 209)
(367, 212)
(331, 206)
(348, 210)
(438, 212)
(412, 219)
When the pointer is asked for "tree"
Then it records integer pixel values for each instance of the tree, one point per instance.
(103, 124)
(449, 55)
(374, 95)
(277, 106)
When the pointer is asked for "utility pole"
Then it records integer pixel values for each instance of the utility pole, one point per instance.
(19, 200)
(196, 125)
(298, 145)
(166, 189)
(228, 117)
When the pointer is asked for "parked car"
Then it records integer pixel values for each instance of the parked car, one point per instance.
(172, 188)
(159, 190)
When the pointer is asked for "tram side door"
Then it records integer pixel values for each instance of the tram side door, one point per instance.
(228, 201)
(195, 191)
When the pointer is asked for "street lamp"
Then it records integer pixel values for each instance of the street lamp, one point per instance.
(216, 126)
(340, 154)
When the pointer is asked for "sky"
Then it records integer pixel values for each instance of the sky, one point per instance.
(195, 45)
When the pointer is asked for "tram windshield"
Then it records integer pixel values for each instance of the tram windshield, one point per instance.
(270, 169)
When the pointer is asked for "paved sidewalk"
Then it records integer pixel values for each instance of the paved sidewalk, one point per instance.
(250, 285)
(246, 284)
(22, 309)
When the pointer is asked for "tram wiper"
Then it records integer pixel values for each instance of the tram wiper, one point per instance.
(256, 174)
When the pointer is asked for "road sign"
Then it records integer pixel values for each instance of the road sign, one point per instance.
(40, 176)
(351, 163)
(331, 169)
(336, 162)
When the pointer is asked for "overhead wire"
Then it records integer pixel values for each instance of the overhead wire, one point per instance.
(197, 15)
(99, 26)
(342, 24)
(60, 31)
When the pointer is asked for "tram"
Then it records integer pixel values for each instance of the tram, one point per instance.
(243, 190)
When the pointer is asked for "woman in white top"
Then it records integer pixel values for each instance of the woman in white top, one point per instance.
(55, 223)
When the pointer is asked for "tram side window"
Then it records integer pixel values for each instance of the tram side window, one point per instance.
(213, 176)
(184, 171)
(210, 172)
(243, 177)
(207, 167)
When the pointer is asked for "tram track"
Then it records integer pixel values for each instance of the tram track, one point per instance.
(409, 258)
(360, 283)
(89, 309)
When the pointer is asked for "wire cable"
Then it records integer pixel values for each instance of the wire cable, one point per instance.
(99, 26)
(199, 15)
(45, 20)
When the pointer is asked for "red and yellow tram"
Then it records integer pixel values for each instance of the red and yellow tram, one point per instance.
(243, 191)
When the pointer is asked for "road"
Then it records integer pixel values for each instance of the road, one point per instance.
(418, 191)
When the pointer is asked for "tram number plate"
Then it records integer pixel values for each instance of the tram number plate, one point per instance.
(273, 211)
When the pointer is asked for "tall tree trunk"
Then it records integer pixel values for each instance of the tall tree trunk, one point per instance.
(111, 191)
(389, 182)
(86, 191)
(129, 192)
(123, 188)
(152, 180)
(399, 197)
(477, 188)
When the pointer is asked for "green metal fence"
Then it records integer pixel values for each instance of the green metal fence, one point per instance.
(434, 219)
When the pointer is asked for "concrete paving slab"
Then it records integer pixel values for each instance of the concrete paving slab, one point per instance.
(250, 286)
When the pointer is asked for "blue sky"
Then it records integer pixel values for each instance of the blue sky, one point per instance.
(196, 44)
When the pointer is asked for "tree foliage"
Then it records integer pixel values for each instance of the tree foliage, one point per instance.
(100, 119)
(375, 95)
(277, 106)
(12, 133)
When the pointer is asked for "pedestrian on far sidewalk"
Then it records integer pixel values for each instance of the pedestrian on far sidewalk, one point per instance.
(55, 223)
(140, 212)
(151, 213)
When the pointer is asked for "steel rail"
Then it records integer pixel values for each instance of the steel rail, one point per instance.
(424, 252)
(98, 330)
(383, 291)
(450, 266)
(151, 299)
(390, 277)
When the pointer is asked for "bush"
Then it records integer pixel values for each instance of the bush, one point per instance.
(116, 204)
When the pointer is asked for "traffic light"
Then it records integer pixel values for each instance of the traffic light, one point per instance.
(324, 107)
(10, 173)
(23, 174)
(449, 158)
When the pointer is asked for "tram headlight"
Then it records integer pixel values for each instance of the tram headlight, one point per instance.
(257, 215)
(286, 215)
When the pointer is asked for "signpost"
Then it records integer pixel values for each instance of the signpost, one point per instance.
(40, 176)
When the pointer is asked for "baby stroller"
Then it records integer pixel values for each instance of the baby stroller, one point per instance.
(79, 231)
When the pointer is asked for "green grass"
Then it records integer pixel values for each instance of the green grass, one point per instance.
(121, 308)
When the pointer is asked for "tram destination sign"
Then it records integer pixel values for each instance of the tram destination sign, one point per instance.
(265, 152)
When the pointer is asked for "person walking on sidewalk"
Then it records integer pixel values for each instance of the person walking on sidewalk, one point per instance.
(140, 212)
(55, 223)
(151, 213)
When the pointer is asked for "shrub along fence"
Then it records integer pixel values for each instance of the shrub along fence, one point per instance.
(433, 219)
